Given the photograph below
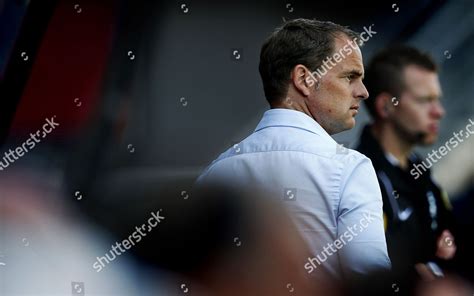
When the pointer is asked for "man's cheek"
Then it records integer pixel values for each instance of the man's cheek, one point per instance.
(407, 120)
(417, 117)
(407, 112)
(415, 122)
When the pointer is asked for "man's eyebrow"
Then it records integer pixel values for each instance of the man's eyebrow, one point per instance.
(354, 73)
(433, 97)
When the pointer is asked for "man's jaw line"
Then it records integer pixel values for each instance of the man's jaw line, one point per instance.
(393, 140)
(297, 105)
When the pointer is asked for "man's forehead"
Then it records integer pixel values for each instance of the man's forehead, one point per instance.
(422, 81)
(352, 65)
(352, 57)
(343, 40)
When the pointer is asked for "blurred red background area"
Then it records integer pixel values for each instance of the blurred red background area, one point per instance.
(68, 71)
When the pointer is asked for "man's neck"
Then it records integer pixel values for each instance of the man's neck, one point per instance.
(390, 142)
(291, 104)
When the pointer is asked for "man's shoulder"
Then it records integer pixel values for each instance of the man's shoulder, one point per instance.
(348, 154)
(299, 142)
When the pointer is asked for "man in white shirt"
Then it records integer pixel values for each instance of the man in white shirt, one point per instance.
(312, 75)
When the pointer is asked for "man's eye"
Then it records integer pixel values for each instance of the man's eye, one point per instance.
(424, 100)
(349, 78)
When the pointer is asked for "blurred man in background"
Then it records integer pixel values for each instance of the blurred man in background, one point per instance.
(329, 190)
(406, 109)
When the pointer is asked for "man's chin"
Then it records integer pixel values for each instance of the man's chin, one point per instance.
(340, 126)
(346, 126)
(429, 139)
(351, 124)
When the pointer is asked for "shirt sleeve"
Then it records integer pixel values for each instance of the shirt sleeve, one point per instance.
(360, 220)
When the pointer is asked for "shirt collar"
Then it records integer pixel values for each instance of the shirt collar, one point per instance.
(392, 159)
(292, 118)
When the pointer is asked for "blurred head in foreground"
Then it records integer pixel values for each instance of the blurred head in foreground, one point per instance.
(218, 241)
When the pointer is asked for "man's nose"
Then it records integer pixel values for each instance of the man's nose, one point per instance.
(437, 110)
(361, 92)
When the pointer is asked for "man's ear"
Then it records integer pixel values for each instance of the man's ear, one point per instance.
(302, 79)
(383, 104)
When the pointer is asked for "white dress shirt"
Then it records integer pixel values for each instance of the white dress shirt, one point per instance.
(331, 192)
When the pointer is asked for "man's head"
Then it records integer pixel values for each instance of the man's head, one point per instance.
(314, 67)
(405, 94)
(224, 240)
